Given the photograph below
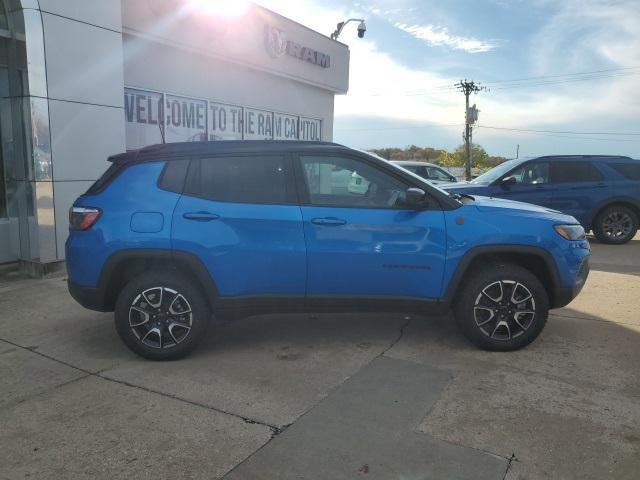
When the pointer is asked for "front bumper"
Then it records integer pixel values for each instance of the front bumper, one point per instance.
(563, 295)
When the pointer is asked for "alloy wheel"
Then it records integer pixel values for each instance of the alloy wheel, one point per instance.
(504, 310)
(617, 225)
(160, 317)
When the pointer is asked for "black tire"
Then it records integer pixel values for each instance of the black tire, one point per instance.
(473, 305)
(615, 225)
(170, 338)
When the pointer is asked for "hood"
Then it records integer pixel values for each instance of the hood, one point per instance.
(500, 205)
(462, 187)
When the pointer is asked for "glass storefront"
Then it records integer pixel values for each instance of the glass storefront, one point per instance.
(25, 150)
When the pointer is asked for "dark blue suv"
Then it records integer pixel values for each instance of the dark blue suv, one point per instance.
(172, 234)
(602, 192)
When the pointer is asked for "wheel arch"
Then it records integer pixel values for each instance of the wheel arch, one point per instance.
(630, 203)
(535, 259)
(124, 265)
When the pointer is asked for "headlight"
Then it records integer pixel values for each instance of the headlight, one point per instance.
(570, 232)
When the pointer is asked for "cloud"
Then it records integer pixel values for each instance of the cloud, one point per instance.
(440, 36)
(385, 91)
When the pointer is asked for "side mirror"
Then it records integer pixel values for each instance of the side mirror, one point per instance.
(506, 181)
(415, 197)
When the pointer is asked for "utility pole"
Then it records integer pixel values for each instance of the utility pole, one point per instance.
(471, 117)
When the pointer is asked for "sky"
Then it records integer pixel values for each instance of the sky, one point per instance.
(551, 66)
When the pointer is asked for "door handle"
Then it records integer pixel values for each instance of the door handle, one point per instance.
(328, 221)
(200, 216)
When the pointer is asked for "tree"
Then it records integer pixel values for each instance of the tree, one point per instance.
(481, 159)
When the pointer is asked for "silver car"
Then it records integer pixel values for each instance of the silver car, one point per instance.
(428, 171)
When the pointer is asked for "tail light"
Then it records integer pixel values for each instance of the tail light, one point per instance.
(82, 218)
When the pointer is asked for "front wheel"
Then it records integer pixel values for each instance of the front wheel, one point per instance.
(502, 307)
(162, 315)
(615, 225)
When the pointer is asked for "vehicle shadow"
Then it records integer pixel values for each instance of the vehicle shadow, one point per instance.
(616, 258)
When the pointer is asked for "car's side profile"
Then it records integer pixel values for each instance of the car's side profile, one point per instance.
(602, 192)
(174, 233)
(433, 173)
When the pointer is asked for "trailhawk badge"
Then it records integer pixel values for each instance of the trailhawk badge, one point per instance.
(277, 45)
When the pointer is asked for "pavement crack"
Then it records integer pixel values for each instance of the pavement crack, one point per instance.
(275, 430)
(252, 421)
(512, 459)
(399, 337)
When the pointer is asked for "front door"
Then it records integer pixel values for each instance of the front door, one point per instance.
(239, 215)
(361, 240)
(531, 185)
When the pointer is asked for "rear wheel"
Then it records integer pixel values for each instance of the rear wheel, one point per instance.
(502, 307)
(615, 225)
(162, 315)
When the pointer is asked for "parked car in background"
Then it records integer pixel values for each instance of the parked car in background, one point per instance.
(173, 233)
(435, 174)
(602, 192)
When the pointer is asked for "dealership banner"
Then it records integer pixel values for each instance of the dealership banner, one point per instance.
(154, 117)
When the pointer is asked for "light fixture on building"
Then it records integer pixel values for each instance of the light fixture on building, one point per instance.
(361, 28)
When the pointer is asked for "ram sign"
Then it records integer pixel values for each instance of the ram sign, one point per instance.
(154, 117)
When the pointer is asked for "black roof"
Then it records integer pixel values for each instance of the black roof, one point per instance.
(579, 157)
(181, 149)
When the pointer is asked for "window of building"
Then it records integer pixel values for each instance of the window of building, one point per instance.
(570, 172)
(347, 182)
(241, 179)
(532, 174)
(628, 170)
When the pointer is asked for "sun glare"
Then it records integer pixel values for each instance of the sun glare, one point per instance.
(220, 8)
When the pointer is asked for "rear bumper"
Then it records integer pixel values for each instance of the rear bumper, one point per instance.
(91, 298)
(563, 295)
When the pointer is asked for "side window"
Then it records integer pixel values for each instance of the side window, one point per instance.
(438, 174)
(627, 170)
(569, 172)
(173, 175)
(531, 174)
(238, 179)
(347, 182)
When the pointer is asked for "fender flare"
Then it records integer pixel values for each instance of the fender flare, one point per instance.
(462, 268)
(172, 258)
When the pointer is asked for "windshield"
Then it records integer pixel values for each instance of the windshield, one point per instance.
(496, 172)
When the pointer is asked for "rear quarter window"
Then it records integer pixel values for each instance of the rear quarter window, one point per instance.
(174, 175)
(112, 172)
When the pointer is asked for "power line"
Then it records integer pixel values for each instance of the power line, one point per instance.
(570, 132)
(529, 81)
(413, 127)
(573, 137)
(542, 77)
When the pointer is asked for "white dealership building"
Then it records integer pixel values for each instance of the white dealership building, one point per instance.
(83, 79)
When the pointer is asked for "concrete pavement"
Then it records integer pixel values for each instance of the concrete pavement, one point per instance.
(328, 396)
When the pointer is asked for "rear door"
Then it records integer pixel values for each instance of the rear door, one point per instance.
(239, 214)
(531, 185)
(362, 242)
(579, 187)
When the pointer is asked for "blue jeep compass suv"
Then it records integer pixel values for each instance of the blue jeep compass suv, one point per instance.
(174, 233)
(602, 192)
